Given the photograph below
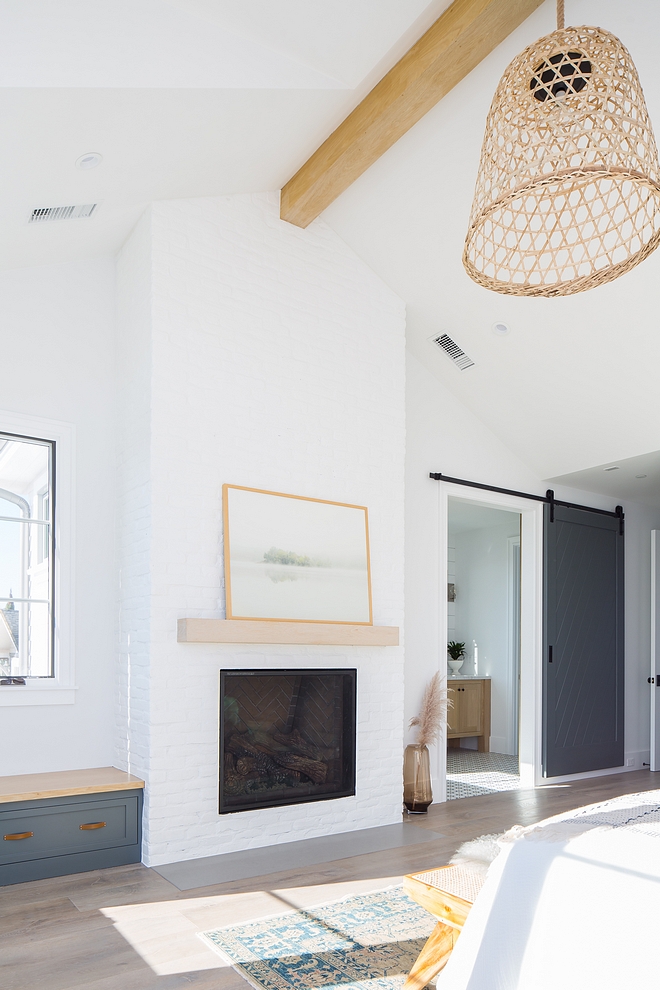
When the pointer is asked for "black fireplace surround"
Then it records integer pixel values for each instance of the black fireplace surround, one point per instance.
(286, 737)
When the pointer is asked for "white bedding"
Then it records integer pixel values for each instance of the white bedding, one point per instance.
(570, 904)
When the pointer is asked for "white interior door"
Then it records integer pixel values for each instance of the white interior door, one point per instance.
(655, 649)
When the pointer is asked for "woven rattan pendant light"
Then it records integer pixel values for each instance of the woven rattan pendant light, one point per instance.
(568, 190)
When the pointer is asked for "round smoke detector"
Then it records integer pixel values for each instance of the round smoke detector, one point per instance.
(90, 160)
(501, 329)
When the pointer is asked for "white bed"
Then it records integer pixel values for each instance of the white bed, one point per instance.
(570, 904)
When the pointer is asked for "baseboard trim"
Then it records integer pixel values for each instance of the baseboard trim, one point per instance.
(638, 760)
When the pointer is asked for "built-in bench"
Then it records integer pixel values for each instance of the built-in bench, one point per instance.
(70, 821)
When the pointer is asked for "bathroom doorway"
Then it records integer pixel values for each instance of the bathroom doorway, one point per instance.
(483, 648)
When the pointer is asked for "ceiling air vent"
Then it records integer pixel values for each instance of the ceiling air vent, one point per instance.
(41, 214)
(452, 350)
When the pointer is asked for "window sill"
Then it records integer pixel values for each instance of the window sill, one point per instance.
(36, 694)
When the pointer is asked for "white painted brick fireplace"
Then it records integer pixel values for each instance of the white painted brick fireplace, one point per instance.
(259, 354)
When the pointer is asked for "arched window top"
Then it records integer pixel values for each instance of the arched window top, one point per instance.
(14, 499)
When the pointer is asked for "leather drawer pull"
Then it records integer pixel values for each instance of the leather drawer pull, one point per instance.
(19, 835)
(92, 825)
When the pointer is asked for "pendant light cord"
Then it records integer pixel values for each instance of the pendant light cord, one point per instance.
(560, 15)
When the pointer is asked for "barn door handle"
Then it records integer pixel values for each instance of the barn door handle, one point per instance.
(549, 654)
(18, 835)
(91, 825)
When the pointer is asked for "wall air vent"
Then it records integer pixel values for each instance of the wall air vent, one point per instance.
(453, 351)
(41, 214)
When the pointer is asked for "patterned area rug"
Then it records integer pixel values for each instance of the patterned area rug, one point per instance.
(470, 774)
(366, 942)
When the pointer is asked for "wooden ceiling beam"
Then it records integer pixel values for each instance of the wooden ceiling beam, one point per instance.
(461, 37)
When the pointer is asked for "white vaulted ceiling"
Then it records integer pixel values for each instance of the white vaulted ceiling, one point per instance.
(183, 98)
(576, 383)
(222, 44)
(187, 98)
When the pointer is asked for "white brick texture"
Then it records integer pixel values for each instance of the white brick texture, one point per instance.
(272, 357)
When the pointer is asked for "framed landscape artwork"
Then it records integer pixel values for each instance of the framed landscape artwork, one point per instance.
(293, 558)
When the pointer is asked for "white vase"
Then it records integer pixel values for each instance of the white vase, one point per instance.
(455, 666)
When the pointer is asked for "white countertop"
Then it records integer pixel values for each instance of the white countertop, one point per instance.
(468, 677)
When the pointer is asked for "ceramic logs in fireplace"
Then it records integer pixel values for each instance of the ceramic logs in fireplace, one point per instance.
(286, 737)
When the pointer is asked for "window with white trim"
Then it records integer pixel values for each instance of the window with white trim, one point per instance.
(27, 499)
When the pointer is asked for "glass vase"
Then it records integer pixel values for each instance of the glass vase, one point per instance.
(417, 793)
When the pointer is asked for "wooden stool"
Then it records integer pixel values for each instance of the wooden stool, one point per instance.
(447, 893)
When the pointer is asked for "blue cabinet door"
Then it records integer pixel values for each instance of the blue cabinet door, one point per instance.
(60, 830)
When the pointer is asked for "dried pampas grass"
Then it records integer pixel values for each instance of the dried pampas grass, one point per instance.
(433, 712)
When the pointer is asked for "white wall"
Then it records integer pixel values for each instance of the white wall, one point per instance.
(482, 615)
(134, 494)
(258, 354)
(281, 354)
(441, 435)
(58, 361)
(444, 436)
(640, 520)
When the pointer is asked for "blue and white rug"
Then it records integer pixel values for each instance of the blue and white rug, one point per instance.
(365, 942)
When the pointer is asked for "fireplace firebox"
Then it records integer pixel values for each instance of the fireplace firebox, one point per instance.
(286, 737)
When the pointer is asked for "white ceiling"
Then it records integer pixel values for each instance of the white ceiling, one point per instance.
(632, 477)
(135, 44)
(576, 381)
(222, 44)
(345, 39)
(183, 98)
(187, 98)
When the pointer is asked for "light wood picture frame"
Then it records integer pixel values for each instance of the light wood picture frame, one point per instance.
(290, 558)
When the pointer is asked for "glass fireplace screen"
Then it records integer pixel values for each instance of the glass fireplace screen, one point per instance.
(286, 737)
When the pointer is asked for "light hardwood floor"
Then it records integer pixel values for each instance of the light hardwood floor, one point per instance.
(129, 929)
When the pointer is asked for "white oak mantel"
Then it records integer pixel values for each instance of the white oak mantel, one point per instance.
(266, 631)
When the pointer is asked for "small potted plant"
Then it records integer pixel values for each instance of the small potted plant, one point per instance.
(457, 653)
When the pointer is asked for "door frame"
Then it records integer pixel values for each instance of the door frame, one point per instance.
(514, 586)
(531, 620)
(654, 673)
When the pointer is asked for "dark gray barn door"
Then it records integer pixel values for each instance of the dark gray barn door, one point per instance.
(583, 642)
